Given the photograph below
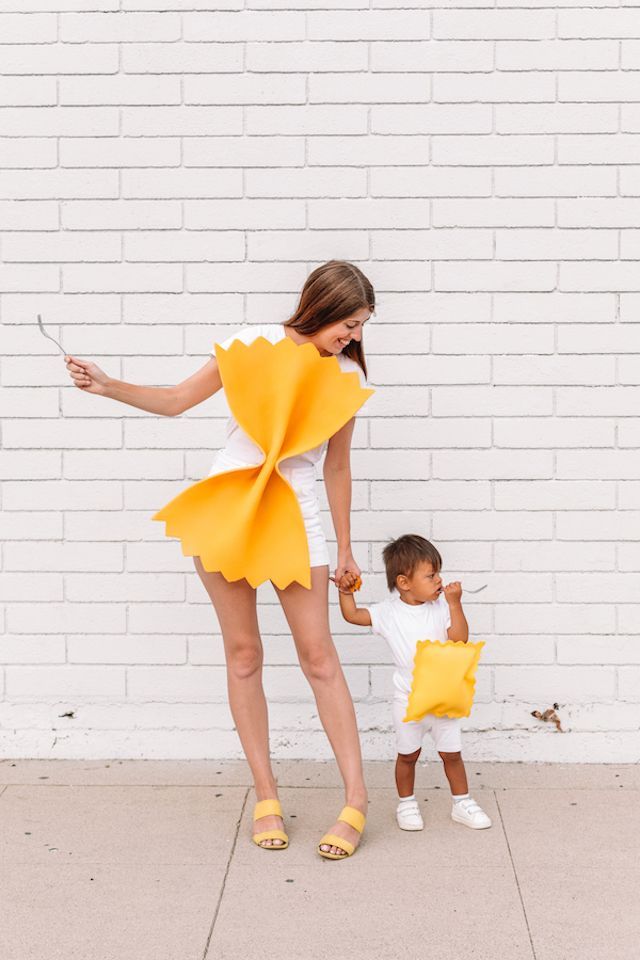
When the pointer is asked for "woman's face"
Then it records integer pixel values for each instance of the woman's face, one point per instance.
(332, 339)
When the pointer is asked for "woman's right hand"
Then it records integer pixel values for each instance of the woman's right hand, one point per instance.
(87, 376)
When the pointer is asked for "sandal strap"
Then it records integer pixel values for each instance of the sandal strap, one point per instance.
(270, 835)
(266, 808)
(334, 841)
(355, 818)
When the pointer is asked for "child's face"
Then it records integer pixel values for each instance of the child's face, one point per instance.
(424, 584)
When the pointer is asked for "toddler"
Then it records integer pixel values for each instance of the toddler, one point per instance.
(420, 609)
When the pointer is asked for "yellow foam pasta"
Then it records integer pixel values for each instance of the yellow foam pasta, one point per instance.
(444, 679)
(247, 523)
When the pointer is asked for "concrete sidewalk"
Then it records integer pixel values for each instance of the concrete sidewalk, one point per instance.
(147, 860)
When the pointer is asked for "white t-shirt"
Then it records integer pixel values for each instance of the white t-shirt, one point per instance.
(239, 446)
(402, 625)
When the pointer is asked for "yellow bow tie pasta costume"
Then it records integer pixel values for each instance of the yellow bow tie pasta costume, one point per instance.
(247, 523)
(444, 679)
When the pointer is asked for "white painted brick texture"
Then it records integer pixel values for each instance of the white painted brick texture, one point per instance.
(171, 170)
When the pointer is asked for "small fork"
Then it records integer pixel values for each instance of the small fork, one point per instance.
(49, 337)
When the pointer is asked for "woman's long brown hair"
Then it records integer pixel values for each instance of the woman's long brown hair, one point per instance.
(332, 292)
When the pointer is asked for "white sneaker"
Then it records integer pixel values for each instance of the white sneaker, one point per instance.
(471, 814)
(408, 815)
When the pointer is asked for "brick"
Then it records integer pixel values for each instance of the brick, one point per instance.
(121, 215)
(66, 618)
(599, 24)
(589, 588)
(306, 56)
(618, 465)
(418, 181)
(584, 86)
(496, 276)
(599, 148)
(494, 88)
(306, 183)
(27, 91)
(118, 28)
(59, 121)
(123, 278)
(27, 278)
(120, 90)
(244, 152)
(32, 402)
(185, 121)
(557, 118)
(166, 184)
(245, 276)
(306, 245)
(368, 25)
(184, 246)
(245, 88)
(420, 56)
(494, 24)
(304, 120)
(431, 370)
(64, 556)
(493, 213)
(485, 525)
(36, 28)
(56, 58)
(378, 151)
(29, 215)
(56, 681)
(244, 214)
(432, 118)
(550, 556)
(57, 434)
(568, 618)
(441, 244)
(487, 338)
(496, 401)
(557, 55)
(563, 307)
(558, 370)
(599, 338)
(62, 495)
(179, 58)
(603, 525)
(429, 433)
(535, 433)
(244, 26)
(556, 182)
(629, 433)
(120, 152)
(371, 214)
(135, 650)
(492, 150)
(492, 465)
(28, 152)
(30, 466)
(577, 684)
(372, 88)
(594, 275)
(23, 649)
(60, 247)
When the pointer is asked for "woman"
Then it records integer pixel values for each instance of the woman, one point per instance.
(335, 303)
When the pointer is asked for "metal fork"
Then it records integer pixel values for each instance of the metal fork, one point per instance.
(478, 590)
(49, 337)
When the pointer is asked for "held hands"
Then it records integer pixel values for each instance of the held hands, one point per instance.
(87, 376)
(453, 593)
(347, 583)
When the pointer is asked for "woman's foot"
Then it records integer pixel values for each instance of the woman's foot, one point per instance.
(269, 823)
(348, 833)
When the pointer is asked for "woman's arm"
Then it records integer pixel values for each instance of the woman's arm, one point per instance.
(337, 479)
(166, 401)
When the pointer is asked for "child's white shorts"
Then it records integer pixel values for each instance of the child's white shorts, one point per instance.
(445, 731)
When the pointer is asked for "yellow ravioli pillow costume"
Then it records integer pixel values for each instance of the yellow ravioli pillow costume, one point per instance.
(247, 523)
(444, 679)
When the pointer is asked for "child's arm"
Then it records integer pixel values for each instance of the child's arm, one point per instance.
(459, 629)
(351, 613)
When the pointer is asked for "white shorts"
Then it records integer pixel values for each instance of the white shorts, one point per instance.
(445, 731)
(303, 480)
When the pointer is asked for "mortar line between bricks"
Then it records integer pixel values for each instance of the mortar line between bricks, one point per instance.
(515, 875)
(224, 879)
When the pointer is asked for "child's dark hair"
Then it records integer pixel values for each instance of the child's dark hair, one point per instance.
(403, 555)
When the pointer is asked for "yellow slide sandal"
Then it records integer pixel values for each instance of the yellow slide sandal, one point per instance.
(266, 808)
(355, 819)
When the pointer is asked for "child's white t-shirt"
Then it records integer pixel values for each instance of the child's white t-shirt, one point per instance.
(402, 625)
(238, 445)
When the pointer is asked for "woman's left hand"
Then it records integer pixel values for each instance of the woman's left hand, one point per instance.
(346, 564)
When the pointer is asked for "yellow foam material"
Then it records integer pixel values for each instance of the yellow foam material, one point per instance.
(247, 523)
(444, 679)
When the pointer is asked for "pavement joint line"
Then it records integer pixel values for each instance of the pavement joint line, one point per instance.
(226, 873)
(515, 876)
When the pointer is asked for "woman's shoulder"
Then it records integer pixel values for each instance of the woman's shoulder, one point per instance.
(273, 332)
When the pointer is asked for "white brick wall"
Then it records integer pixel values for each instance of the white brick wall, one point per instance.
(171, 169)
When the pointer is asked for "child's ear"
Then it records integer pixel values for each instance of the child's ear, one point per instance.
(402, 582)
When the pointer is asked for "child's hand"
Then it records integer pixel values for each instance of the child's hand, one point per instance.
(453, 592)
(347, 583)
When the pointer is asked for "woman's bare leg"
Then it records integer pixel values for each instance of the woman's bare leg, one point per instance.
(307, 614)
(235, 606)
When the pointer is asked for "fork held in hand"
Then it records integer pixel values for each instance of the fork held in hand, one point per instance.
(49, 337)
